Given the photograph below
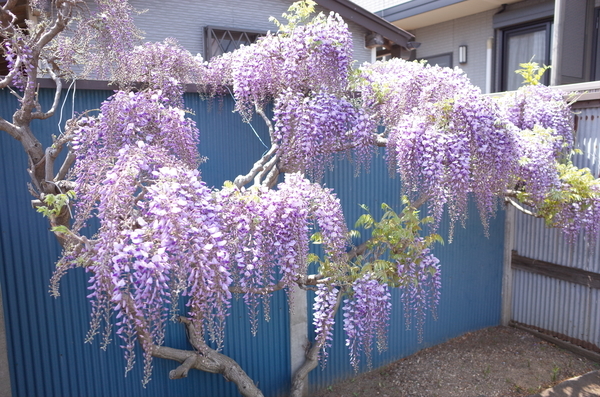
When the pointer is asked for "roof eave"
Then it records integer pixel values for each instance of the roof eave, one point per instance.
(352, 12)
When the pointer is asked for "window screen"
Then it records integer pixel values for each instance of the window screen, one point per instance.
(219, 40)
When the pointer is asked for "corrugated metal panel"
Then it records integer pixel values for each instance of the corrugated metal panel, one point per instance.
(471, 276)
(557, 306)
(553, 305)
(45, 336)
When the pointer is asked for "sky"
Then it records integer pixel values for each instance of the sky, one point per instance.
(378, 5)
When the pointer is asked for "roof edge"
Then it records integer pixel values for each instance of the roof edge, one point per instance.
(412, 8)
(368, 20)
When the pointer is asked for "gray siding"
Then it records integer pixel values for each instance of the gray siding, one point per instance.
(472, 31)
(186, 20)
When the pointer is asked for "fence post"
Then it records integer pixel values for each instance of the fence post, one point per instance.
(298, 331)
(507, 283)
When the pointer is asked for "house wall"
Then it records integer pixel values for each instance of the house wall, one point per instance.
(574, 54)
(472, 31)
(187, 21)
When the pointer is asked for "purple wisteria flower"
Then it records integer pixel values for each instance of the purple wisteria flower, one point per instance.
(366, 316)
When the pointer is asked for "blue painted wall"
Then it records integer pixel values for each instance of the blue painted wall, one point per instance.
(45, 335)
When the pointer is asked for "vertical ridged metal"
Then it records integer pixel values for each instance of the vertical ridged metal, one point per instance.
(471, 275)
(47, 353)
(556, 306)
(45, 335)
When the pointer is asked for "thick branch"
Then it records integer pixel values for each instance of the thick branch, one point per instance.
(9, 5)
(265, 290)
(66, 165)
(29, 102)
(312, 279)
(420, 201)
(9, 127)
(242, 180)
(271, 178)
(63, 18)
(268, 167)
(208, 360)
(9, 77)
(52, 153)
(55, 102)
(203, 359)
(520, 208)
(380, 140)
(267, 121)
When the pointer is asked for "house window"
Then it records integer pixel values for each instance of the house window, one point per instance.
(443, 60)
(531, 43)
(221, 40)
(384, 53)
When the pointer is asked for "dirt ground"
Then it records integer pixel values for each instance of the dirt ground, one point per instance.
(493, 362)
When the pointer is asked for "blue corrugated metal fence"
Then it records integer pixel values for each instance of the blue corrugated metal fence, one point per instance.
(45, 336)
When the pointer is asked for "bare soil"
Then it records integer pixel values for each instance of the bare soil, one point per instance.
(493, 362)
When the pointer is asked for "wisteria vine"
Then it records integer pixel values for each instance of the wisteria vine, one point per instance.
(165, 237)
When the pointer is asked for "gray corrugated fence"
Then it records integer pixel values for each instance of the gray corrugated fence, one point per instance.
(47, 356)
(548, 303)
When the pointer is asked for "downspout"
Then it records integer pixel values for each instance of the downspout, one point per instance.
(489, 66)
(557, 42)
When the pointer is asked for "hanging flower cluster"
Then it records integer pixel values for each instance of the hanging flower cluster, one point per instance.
(309, 131)
(567, 197)
(324, 309)
(125, 119)
(154, 246)
(159, 234)
(444, 138)
(268, 232)
(18, 56)
(96, 42)
(366, 315)
(421, 282)
(546, 108)
(579, 215)
(573, 205)
(162, 66)
(304, 69)
(537, 163)
(311, 57)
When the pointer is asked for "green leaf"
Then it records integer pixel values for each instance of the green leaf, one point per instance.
(60, 229)
(365, 221)
(317, 238)
(354, 234)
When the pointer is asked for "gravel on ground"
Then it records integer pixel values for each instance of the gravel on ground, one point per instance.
(492, 362)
